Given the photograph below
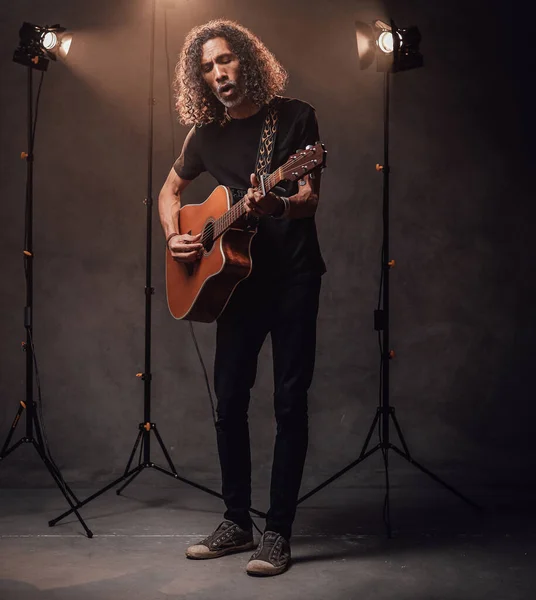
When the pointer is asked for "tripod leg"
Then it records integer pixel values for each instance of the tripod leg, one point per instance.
(8, 452)
(52, 467)
(92, 497)
(370, 432)
(435, 478)
(339, 474)
(364, 454)
(183, 479)
(138, 470)
(387, 501)
(131, 457)
(12, 430)
(203, 488)
(42, 449)
(399, 431)
(64, 483)
(164, 450)
(61, 486)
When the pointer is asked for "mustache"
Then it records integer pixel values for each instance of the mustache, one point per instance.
(226, 86)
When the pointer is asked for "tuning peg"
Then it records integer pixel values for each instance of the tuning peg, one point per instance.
(309, 147)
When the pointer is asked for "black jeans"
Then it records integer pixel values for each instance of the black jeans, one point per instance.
(287, 310)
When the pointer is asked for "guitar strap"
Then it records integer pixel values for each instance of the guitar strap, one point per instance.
(267, 141)
(265, 152)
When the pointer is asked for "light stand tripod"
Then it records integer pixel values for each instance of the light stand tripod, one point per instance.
(146, 427)
(34, 433)
(385, 412)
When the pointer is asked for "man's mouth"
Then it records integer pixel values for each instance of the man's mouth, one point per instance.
(226, 88)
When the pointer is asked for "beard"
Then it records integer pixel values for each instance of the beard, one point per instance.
(232, 99)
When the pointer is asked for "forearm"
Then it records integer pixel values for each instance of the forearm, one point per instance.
(169, 204)
(305, 202)
(302, 206)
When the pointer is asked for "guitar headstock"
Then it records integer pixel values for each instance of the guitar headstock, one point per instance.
(304, 161)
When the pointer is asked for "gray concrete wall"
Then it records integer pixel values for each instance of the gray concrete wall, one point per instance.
(462, 231)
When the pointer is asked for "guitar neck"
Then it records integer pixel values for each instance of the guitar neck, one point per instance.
(296, 167)
(238, 210)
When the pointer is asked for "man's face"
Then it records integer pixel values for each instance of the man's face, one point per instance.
(221, 70)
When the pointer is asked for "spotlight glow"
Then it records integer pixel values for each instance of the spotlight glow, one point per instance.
(385, 42)
(65, 45)
(377, 41)
(50, 39)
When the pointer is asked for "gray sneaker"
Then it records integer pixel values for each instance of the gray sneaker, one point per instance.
(226, 539)
(272, 556)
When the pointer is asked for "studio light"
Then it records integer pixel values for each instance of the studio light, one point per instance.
(394, 49)
(50, 39)
(385, 42)
(37, 46)
(40, 44)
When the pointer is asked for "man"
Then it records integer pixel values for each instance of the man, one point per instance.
(225, 81)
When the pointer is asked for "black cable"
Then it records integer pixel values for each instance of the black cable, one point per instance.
(379, 307)
(204, 373)
(32, 143)
(192, 331)
(384, 451)
(40, 402)
(39, 414)
(141, 450)
(386, 511)
(36, 111)
(30, 157)
(380, 290)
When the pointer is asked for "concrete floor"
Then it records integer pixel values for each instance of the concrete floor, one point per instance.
(441, 549)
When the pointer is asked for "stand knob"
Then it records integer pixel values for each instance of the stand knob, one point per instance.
(379, 167)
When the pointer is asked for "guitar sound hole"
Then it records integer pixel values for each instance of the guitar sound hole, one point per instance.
(207, 239)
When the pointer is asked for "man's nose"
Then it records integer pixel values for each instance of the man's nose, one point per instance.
(220, 73)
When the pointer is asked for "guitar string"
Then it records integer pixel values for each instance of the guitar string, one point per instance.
(220, 225)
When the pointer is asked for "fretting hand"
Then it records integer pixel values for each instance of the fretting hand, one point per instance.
(258, 204)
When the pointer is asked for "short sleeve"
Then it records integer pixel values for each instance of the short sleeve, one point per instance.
(190, 164)
(309, 134)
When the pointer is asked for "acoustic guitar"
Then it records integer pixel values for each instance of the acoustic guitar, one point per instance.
(199, 291)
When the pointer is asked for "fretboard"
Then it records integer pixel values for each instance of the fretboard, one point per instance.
(228, 219)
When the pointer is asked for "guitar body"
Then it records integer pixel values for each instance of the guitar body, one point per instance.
(199, 291)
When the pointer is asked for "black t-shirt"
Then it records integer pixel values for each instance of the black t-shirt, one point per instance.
(282, 247)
